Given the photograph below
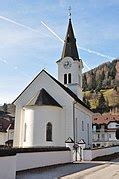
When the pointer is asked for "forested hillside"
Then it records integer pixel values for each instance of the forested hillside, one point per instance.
(101, 87)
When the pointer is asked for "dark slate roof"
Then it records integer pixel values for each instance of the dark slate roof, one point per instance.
(62, 86)
(74, 96)
(70, 48)
(69, 140)
(44, 98)
(81, 141)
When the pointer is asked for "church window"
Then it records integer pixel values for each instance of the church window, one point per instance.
(65, 78)
(69, 78)
(49, 132)
(82, 125)
(25, 128)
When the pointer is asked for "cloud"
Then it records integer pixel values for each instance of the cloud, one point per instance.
(3, 60)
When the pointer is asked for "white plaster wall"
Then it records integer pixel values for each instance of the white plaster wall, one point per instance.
(112, 125)
(8, 167)
(106, 136)
(22, 161)
(2, 138)
(75, 73)
(40, 159)
(36, 119)
(113, 136)
(86, 117)
(90, 154)
(66, 101)
(17, 128)
(11, 134)
(44, 81)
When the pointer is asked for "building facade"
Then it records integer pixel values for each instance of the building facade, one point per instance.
(49, 111)
(6, 130)
(105, 129)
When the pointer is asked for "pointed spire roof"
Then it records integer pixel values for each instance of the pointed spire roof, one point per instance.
(70, 48)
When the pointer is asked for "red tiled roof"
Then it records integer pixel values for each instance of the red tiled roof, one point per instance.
(105, 118)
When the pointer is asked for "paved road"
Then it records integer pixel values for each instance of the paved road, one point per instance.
(85, 170)
(109, 170)
(55, 172)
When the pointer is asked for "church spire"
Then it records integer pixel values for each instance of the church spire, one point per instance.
(70, 48)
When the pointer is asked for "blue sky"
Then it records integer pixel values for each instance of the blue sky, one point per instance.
(26, 50)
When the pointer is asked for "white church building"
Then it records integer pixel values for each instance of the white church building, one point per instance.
(50, 111)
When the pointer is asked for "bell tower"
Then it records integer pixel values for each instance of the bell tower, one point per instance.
(70, 65)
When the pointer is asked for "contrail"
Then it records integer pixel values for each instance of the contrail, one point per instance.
(52, 31)
(19, 24)
(60, 40)
(36, 31)
(82, 48)
(97, 53)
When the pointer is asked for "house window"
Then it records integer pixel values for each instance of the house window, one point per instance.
(98, 136)
(25, 128)
(49, 132)
(103, 136)
(82, 125)
(109, 135)
(65, 78)
(69, 78)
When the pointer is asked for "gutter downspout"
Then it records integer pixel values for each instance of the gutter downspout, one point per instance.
(74, 128)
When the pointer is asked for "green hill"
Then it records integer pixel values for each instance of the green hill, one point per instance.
(102, 81)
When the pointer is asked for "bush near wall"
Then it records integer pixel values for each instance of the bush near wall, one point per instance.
(14, 151)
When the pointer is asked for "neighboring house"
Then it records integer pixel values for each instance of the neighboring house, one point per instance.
(6, 130)
(104, 129)
(49, 111)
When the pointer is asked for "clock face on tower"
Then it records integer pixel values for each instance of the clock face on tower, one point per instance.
(67, 64)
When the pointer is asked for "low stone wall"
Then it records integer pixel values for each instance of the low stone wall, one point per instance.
(22, 159)
(8, 167)
(26, 161)
(91, 154)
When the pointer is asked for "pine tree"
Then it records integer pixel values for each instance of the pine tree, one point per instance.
(102, 105)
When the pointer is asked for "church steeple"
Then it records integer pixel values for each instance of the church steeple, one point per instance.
(70, 66)
(70, 48)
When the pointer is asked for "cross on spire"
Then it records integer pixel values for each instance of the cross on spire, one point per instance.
(69, 12)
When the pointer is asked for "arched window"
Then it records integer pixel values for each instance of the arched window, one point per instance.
(25, 128)
(69, 78)
(49, 132)
(65, 78)
(82, 125)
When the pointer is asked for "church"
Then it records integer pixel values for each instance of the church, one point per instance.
(50, 112)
